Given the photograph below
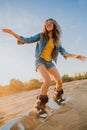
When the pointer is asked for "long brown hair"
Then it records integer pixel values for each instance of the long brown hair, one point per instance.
(56, 31)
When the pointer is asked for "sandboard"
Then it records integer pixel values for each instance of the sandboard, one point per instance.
(30, 120)
(51, 107)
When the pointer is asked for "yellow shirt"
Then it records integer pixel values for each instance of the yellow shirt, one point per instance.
(47, 52)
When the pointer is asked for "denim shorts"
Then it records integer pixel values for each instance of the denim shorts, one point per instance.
(48, 64)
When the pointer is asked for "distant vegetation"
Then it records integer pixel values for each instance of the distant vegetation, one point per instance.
(19, 86)
(78, 76)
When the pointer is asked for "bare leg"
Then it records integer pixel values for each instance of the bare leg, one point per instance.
(55, 74)
(58, 92)
(46, 78)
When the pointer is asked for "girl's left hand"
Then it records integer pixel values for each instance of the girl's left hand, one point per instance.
(82, 58)
(7, 31)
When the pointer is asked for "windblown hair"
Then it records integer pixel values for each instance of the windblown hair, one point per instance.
(56, 31)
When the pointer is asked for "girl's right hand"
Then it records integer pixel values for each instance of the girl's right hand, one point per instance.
(13, 34)
(7, 31)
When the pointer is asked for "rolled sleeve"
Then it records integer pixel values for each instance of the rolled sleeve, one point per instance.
(29, 39)
(63, 52)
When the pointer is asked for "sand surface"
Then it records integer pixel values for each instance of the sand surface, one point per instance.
(73, 116)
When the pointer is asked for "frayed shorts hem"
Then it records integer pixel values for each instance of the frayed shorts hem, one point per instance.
(47, 64)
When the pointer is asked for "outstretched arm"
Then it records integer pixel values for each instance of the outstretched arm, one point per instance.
(13, 34)
(80, 57)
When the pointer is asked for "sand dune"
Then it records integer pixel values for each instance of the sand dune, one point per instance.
(73, 116)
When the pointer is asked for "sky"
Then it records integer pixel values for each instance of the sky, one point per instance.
(26, 18)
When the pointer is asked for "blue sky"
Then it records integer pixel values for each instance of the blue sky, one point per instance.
(26, 17)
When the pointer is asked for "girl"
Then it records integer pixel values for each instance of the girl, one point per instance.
(47, 49)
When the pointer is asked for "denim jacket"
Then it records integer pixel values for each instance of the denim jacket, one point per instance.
(41, 42)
